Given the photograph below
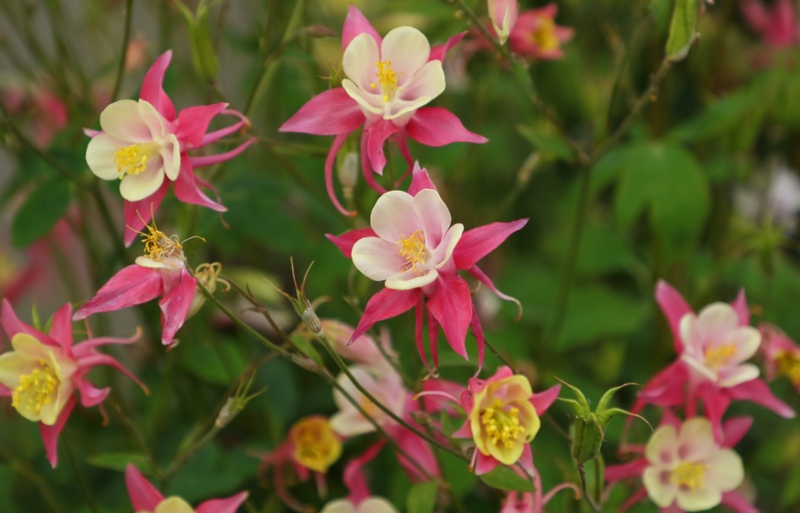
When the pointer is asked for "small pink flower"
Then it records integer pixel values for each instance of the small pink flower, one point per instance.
(383, 383)
(777, 25)
(389, 81)
(503, 14)
(144, 144)
(413, 247)
(781, 354)
(146, 499)
(537, 36)
(42, 372)
(160, 272)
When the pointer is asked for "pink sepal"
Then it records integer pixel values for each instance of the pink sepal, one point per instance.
(90, 394)
(479, 242)
(152, 87)
(439, 51)
(433, 340)
(175, 306)
(210, 160)
(485, 464)
(353, 475)
(378, 133)
(216, 135)
(419, 315)
(674, 307)
(626, 470)
(418, 449)
(133, 285)
(543, 400)
(666, 388)
(735, 501)
(435, 126)
(338, 141)
(640, 495)
(346, 241)
(229, 505)
(61, 329)
(187, 190)
(103, 359)
(482, 277)
(193, 122)
(331, 112)
(758, 392)
(477, 330)
(12, 325)
(139, 213)
(50, 433)
(356, 23)
(384, 305)
(451, 305)
(420, 180)
(144, 496)
(740, 306)
(734, 430)
(88, 132)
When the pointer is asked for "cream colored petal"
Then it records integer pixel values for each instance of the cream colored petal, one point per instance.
(659, 487)
(100, 156)
(691, 336)
(717, 320)
(158, 126)
(445, 250)
(171, 156)
(376, 505)
(27, 345)
(662, 447)
(12, 366)
(173, 505)
(699, 500)
(732, 376)
(506, 456)
(339, 506)
(433, 214)
(393, 217)
(411, 279)
(349, 423)
(50, 411)
(122, 120)
(746, 340)
(427, 82)
(371, 103)
(696, 440)
(407, 49)
(138, 187)
(377, 259)
(359, 61)
(725, 470)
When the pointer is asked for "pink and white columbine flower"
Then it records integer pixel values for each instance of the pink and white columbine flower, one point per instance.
(537, 36)
(686, 468)
(503, 14)
(389, 81)
(781, 354)
(711, 349)
(146, 499)
(381, 382)
(42, 372)
(415, 250)
(160, 272)
(144, 144)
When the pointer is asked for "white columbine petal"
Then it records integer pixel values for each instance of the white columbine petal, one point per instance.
(434, 215)
(698, 500)
(171, 156)
(717, 320)
(100, 156)
(376, 258)
(393, 218)
(122, 120)
(411, 279)
(407, 49)
(359, 61)
(173, 505)
(427, 82)
(138, 187)
(659, 486)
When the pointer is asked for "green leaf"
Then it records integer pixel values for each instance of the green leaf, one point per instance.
(422, 498)
(307, 348)
(41, 210)
(596, 313)
(681, 29)
(551, 145)
(504, 478)
(118, 460)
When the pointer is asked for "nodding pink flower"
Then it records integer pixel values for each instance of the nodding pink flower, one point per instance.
(537, 36)
(413, 247)
(685, 467)
(160, 272)
(711, 347)
(777, 25)
(503, 14)
(144, 144)
(781, 354)
(42, 372)
(389, 81)
(146, 499)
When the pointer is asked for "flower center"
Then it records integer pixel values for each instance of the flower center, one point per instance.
(316, 447)
(414, 250)
(789, 364)
(35, 389)
(157, 246)
(690, 476)
(132, 160)
(544, 35)
(387, 80)
(719, 356)
(502, 426)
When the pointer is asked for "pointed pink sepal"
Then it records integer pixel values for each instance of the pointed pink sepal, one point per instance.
(356, 23)
(331, 112)
(451, 305)
(479, 242)
(153, 90)
(188, 191)
(229, 505)
(50, 433)
(133, 285)
(346, 241)
(143, 495)
(193, 122)
(175, 306)
(435, 126)
(384, 305)
(674, 307)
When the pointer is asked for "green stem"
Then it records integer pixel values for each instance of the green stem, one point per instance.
(597, 508)
(108, 222)
(79, 476)
(125, 39)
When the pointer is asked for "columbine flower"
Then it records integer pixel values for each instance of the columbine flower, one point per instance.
(503, 14)
(146, 499)
(534, 502)
(711, 349)
(144, 144)
(388, 83)
(42, 372)
(685, 468)
(160, 272)
(414, 248)
(777, 25)
(369, 505)
(381, 382)
(781, 354)
(537, 36)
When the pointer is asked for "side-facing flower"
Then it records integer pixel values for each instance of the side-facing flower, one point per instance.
(42, 372)
(144, 144)
(413, 247)
(146, 499)
(781, 354)
(686, 468)
(161, 272)
(389, 81)
(537, 36)
(503, 14)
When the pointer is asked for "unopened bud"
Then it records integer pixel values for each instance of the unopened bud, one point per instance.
(227, 413)
(348, 173)
(312, 322)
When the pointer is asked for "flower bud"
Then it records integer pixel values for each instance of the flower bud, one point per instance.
(503, 14)
(348, 173)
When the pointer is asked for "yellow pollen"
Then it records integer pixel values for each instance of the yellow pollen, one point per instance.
(315, 444)
(414, 250)
(690, 476)
(502, 426)
(789, 364)
(387, 79)
(157, 246)
(132, 160)
(35, 389)
(544, 35)
(720, 356)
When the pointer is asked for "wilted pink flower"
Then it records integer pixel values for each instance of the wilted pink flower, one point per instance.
(781, 354)
(537, 36)
(712, 348)
(685, 467)
(503, 14)
(160, 272)
(415, 249)
(146, 499)
(144, 144)
(42, 372)
(777, 25)
(388, 83)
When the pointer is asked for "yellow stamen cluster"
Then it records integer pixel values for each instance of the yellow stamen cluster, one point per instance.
(414, 250)
(719, 356)
(158, 246)
(544, 36)
(132, 160)
(789, 364)
(35, 389)
(690, 476)
(315, 444)
(387, 79)
(501, 426)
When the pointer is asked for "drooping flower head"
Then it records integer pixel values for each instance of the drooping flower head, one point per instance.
(146, 499)
(503, 14)
(388, 83)
(42, 372)
(144, 144)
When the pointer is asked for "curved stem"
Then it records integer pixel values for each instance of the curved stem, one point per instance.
(597, 508)
(125, 39)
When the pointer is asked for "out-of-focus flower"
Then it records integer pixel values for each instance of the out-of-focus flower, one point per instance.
(42, 372)
(534, 502)
(414, 248)
(135, 53)
(777, 25)
(363, 350)
(369, 505)
(711, 349)
(503, 14)
(780, 200)
(781, 354)
(686, 468)
(389, 81)
(160, 272)
(537, 36)
(46, 112)
(146, 499)
(382, 383)
(144, 144)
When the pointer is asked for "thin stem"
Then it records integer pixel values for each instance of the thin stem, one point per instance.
(585, 489)
(137, 434)
(125, 39)
(79, 476)
(496, 352)
(108, 222)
